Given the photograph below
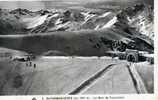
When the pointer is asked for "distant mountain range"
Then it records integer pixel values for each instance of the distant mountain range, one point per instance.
(134, 19)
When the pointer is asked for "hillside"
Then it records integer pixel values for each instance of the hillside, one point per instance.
(81, 43)
(73, 31)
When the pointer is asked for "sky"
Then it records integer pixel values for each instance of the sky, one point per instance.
(41, 4)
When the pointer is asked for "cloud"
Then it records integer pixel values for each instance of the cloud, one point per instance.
(33, 5)
(41, 4)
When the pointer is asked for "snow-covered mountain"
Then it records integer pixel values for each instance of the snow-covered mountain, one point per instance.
(143, 22)
(134, 19)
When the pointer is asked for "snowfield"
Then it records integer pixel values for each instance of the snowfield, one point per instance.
(75, 75)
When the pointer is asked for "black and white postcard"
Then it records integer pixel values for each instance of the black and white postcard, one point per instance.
(81, 48)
